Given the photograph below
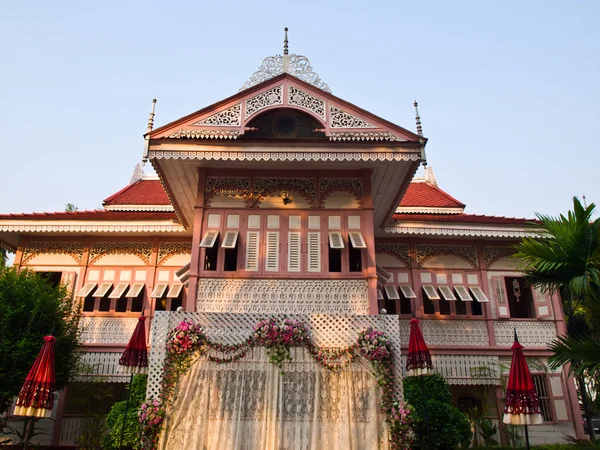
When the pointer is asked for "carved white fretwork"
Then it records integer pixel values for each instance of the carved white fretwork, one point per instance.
(227, 186)
(328, 330)
(531, 334)
(330, 185)
(73, 249)
(273, 96)
(466, 369)
(168, 249)
(304, 100)
(158, 208)
(143, 250)
(100, 367)
(342, 119)
(427, 251)
(283, 156)
(365, 136)
(283, 296)
(230, 117)
(400, 251)
(307, 187)
(493, 254)
(461, 333)
(205, 134)
(299, 66)
(106, 330)
(446, 231)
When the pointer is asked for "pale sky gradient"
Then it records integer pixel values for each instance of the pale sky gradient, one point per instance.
(508, 90)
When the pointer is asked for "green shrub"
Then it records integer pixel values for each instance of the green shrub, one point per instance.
(116, 416)
(439, 425)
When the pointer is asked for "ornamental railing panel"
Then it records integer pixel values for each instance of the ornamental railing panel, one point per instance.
(326, 330)
(459, 333)
(466, 369)
(107, 330)
(283, 296)
(100, 367)
(531, 334)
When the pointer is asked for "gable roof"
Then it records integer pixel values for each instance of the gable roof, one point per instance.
(426, 195)
(142, 192)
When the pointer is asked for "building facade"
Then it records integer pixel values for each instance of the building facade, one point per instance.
(285, 199)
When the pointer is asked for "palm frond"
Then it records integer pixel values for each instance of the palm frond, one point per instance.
(583, 354)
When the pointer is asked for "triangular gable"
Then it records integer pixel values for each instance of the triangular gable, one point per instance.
(340, 120)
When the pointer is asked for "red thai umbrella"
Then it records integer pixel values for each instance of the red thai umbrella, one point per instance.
(522, 404)
(135, 357)
(418, 360)
(36, 398)
(134, 360)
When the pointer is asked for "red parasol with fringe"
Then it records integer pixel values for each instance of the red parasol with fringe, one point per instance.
(135, 357)
(418, 360)
(36, 398)
(522, 404)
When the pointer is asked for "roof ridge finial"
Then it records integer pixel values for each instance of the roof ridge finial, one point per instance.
(418, 119)
(285, 42)
(286, 56)
(151, 118)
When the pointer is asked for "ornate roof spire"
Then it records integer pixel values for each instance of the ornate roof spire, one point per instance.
(418, 119)
(151, 118)
(296, 65)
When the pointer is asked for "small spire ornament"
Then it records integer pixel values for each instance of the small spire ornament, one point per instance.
(418, 119)
(151, 118)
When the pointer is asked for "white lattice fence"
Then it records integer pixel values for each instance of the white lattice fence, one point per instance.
(465, 369)
(458, 333)
(106, 330)
(326, 330)
(101, 366)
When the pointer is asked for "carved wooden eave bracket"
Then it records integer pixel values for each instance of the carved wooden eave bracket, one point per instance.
(340, 121)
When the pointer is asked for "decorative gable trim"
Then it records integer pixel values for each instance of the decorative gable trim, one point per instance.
(342, 119)
(304, 100)
(364, 136)
(230, 117)
(271, 97)
(161, 208)
(428, 210)
(467, 232)
(205, 134)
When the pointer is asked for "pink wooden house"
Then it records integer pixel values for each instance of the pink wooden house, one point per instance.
(285, 199)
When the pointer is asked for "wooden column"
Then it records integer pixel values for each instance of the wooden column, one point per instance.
(370, 241)
(190, 301)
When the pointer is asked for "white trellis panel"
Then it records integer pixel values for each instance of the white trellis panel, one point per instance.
(327, 330)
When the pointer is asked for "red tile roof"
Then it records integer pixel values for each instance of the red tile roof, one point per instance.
(462, 218)
(425, 195)
(142, 192)
(94, 215)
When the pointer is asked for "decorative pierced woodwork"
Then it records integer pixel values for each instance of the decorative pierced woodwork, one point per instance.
(342, 119)
(329, 185)
(306, 187)
(283, 296)
(100, 367)
(400, 251)
(143, 250)
(106, 330)
(427, 251)
(493, 254)
(230, 117)
(168, 249)
(273, 96)
(304, 100)
(459, 333)
(285, 156)
(531, 334)
(465, 369)
(227, 186)
(73, 249)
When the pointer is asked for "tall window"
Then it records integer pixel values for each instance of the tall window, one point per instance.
(539, 381)
(520, 301)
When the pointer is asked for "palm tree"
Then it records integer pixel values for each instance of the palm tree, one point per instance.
(566, 259)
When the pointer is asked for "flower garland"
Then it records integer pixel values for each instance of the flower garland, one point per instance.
(188, 340)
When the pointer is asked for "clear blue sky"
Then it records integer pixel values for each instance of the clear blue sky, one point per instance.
(508, 91)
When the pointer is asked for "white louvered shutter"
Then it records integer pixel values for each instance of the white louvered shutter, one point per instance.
(252, 241)
(230, 239)
(209, 239)
(391, 292)
(541, 301)
(357, 239)
(500, 297)
(272, 252)
(335, 240)
(294, 246)
(314, 252)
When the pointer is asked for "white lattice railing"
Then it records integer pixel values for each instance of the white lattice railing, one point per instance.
(283, 296)
(101, 366)
(326, 330)
(465, 369)
(107, 330)
(457, 333)
(531, 334)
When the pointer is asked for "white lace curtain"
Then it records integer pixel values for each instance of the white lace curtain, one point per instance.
(249, 405)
